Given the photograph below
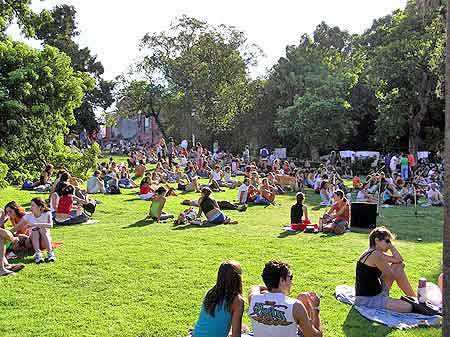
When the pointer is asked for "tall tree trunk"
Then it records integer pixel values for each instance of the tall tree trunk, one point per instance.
(414, 136)
(446, 254)
(314, 150)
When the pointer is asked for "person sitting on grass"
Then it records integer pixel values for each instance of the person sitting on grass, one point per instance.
(336, 220)
(324, 193)
(273, 313)
(223, 305)
(243, 191)
(266, 195)
(434, 196)
(363, 195)
(376, 271)
(39, 221)
(216, 179)
(44, 181)
(95, 184)
(298, 210)
(211, 209)
(391, 197)
(65, 210)
(124, 178)
(14, 212)
(156, 208)
(227, 175)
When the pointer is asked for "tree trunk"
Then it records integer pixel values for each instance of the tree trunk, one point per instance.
(446, 254)
(314, 151)
(414, 129)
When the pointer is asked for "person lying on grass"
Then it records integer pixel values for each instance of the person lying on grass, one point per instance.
(39, 221)
(211, 209)
(336, 220)
(156, 208)
(45, 177)
(223, 305)
(273, 313)
(376, 272)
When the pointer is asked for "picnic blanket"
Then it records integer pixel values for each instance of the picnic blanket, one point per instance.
(346, 294)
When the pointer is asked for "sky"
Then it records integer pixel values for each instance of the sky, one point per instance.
(112, 29)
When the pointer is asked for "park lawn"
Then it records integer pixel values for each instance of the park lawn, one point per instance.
(128, 277)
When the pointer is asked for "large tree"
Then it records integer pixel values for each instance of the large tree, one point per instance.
(39, 90)
(311, 86)
(405, 65)
(60, 32)
(206, 69)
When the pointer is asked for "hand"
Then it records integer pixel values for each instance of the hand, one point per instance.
(315, 300)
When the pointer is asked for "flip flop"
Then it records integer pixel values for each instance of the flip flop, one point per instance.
(8, 274)
(15, 267)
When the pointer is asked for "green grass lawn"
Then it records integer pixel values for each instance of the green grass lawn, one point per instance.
(126, 277)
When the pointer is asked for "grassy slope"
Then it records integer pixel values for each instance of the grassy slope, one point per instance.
(126, 277)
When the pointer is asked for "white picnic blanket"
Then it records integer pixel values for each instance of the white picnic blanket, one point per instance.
(346, 294)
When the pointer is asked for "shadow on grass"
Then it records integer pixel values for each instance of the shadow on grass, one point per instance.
(355, 325)
(189, 226)
(140, 223)
(285, 234)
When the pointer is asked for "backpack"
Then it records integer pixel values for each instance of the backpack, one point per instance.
(27, 185)
(89, 208)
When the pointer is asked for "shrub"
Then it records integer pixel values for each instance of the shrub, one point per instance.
(3, 173)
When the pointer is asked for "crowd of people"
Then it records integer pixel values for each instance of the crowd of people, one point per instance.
(179, 170)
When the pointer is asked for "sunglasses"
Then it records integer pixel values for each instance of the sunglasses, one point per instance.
(387, 241)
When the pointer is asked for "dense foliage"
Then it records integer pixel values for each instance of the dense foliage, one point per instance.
(39, 91)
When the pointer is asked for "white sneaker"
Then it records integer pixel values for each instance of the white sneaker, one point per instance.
(38, 258)
(51, 257)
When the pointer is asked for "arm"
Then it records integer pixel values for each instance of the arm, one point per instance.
(382, 264)
(237, 310)
(310, 326)
(395, 257)
(305, 212)
(342, 210)
(199, 213)
(161, 206)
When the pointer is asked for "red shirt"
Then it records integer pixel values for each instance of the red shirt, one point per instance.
(337, 207)
(65, 204)
(411, 161)
(144, 189)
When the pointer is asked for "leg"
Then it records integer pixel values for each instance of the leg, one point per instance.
(398, 306)
(4, 236)
(401, 279)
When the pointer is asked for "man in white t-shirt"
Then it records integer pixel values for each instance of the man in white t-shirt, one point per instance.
(274, 314)
(243, 191)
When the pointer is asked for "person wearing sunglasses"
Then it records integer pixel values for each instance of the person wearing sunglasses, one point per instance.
(376, 271)
(274, 314)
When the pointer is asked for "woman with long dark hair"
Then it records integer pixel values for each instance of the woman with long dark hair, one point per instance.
(223, 305)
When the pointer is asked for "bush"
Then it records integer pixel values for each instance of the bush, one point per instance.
(3, 173)
(79, 164)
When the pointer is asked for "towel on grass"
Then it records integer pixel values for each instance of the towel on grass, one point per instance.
(346, 294)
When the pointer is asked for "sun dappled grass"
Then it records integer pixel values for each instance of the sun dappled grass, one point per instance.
(125, 276)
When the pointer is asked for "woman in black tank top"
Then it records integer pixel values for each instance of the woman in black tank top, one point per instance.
(376, 271)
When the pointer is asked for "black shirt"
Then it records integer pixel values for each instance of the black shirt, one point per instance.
(368, 279)
(296, 213)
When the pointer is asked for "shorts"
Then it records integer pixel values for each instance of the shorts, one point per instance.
(375, 302)
(218, 219)
(341, 223)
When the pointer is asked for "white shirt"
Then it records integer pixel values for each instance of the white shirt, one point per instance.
(393, 163)
(272, 315)
(243, 189)
(44, 218)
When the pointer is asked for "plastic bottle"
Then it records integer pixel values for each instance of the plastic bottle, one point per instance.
(422, 290)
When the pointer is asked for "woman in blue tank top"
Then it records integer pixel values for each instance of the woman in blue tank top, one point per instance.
(223, 305)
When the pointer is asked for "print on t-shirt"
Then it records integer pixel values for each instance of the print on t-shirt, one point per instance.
(267, 313)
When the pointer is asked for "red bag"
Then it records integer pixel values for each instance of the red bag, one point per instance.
(300, 226)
